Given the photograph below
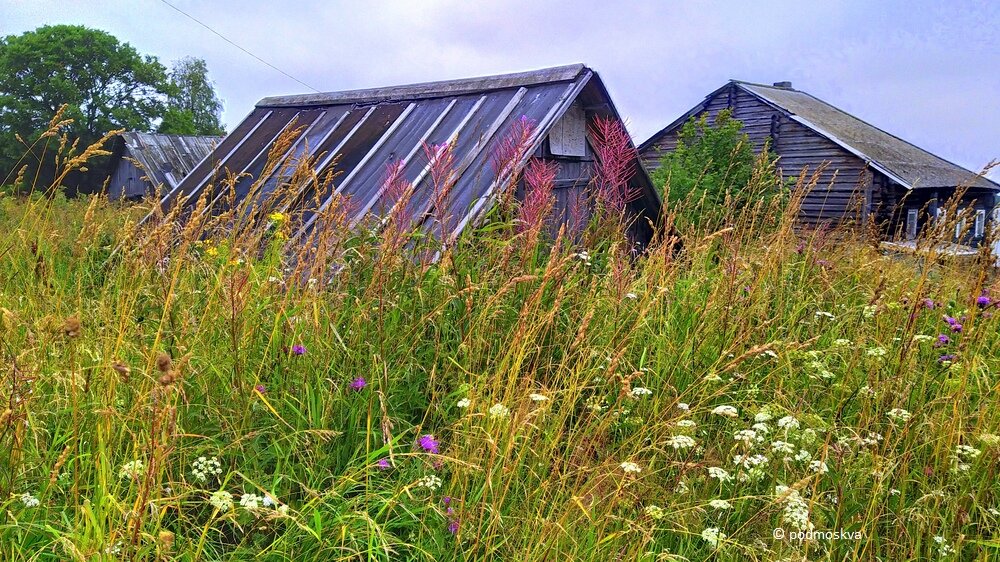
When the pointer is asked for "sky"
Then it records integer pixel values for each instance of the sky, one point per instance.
(925, 71)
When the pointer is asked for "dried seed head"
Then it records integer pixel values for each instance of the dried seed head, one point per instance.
(122, 368)
(163, 362)
(71, 327)
(166, 539)
(167, 378)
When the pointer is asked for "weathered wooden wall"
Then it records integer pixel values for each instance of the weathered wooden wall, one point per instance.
(127, 180)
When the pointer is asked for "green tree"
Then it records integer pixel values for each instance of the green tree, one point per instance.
(193, 108)
(105, 84)
(713, 162)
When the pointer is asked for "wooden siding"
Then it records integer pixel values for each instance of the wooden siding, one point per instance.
(844, 190)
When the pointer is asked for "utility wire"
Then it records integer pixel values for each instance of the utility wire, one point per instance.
(233, 43)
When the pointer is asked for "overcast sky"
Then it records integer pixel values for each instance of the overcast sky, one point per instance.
(926, 71)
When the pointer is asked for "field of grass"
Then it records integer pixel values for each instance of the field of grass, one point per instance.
(171, 394)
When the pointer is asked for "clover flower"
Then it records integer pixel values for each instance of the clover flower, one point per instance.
(383, 464)
(429, 444)
(221, 500)
(29, 500)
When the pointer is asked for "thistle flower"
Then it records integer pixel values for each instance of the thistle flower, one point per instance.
(946, 358)
(982, 301)
(429, 444)
(942, 340)
(298, 350)
(453, 526)
(358, 384)
(261, 389)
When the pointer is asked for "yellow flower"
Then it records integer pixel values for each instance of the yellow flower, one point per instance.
(213, 251)
(277, 217)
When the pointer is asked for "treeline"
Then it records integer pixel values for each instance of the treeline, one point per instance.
(104, 84)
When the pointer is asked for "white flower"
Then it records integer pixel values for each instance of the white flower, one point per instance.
(869, 310)
(764, 415)
(131, 469)
(803, 455)
(727, 411)
(204, 468)
(894, 492)
(681, 442)
(499, 411)
(29, 500)
(283, 509)
(630, 467)
(796, 512)
(713, 536)
(221, 500)
(640, 391)
(595, 404)
(430, 482)
(681, 488)
(720, 473)
(922, 338)
(749, 461)
(654, 511)
(876, 352)
(268, 501)
(822, 314)
(761, 429)
(535, 397)
(683, 406)
(967, 451)
(250, 501)
(686, 423)
(782, 447)
(841, 342)
(899, 415)
(632, 296)
(944, 549)
(788, 423)
(463, 403)
(720, 504)
(819, 467)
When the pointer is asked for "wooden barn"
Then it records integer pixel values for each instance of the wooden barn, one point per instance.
(141, 162)
(357, 134)
(869, 174)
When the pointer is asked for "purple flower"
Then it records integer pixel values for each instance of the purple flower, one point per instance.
(956, 327)
(983, 301)
(429, 444)
(260, 388)
(446, 500)
(453, 526)
(298, 350)
(946, 358)
(358, 384)
(928, 303)
(942, 340)
(383, 464)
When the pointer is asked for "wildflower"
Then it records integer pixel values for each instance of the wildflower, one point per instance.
(796, 511)
(727, 411)
(894, 492)
(713, 536)
(632, 296)
(383, 464)
(822, 314)
(686, 423)
(221, 500)
(802, 456)
(720, 505)
(745, 435)
(942, 340)
(944, 549)
(640, 391)
(819, 467)
(204, 468)
(131, 469)
(276, 217)
(298, 350)
(681, 442)
(29, 500)
(453, 526)
(982, 301)
(654, 512)
(782, 447)
(498, 411)
(681, 488)
(922, 337)
(719, 473)
(630, 467)
(535, 397)
(683, 406)
(431, 482)
(946, 358)
(268, 501)
(876, 352)
(953, 323)
(763, 415)
(869, 311)
(899, 415)
(283, 509)
(761, 429)
(250, 501)
(429, 444)
(595, 404)
(463, 403)
(769, 353)
(358, 384)
(788, 423)
(261, 389)
(929, 304)
(750, 461)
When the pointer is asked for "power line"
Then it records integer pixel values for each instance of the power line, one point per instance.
(231, 42)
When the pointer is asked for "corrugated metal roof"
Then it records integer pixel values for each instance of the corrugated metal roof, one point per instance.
(907, 164)
(166, 159)
(356, 134)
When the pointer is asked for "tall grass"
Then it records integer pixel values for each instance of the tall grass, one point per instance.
(523, 397)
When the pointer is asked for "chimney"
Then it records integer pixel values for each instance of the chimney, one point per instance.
(787, 85)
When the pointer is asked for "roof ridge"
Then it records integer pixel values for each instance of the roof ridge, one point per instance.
(426, 90)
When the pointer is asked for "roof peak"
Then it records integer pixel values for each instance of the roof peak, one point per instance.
(426, 90)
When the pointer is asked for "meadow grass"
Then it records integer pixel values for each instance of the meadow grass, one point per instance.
(183, 392)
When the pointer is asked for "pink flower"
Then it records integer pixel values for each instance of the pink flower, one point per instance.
(358, 384)
(298, 350)
(429, 444)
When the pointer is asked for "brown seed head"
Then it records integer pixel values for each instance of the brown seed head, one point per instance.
(122, 368)
(166, 539)
(163, 362)
(167, 378)
(71, 327)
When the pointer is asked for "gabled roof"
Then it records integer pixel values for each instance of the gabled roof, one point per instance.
(357, 133)
(165, 159)
(907, 164)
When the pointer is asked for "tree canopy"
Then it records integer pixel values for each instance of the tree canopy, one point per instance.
(105, 84)
(193, 108)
